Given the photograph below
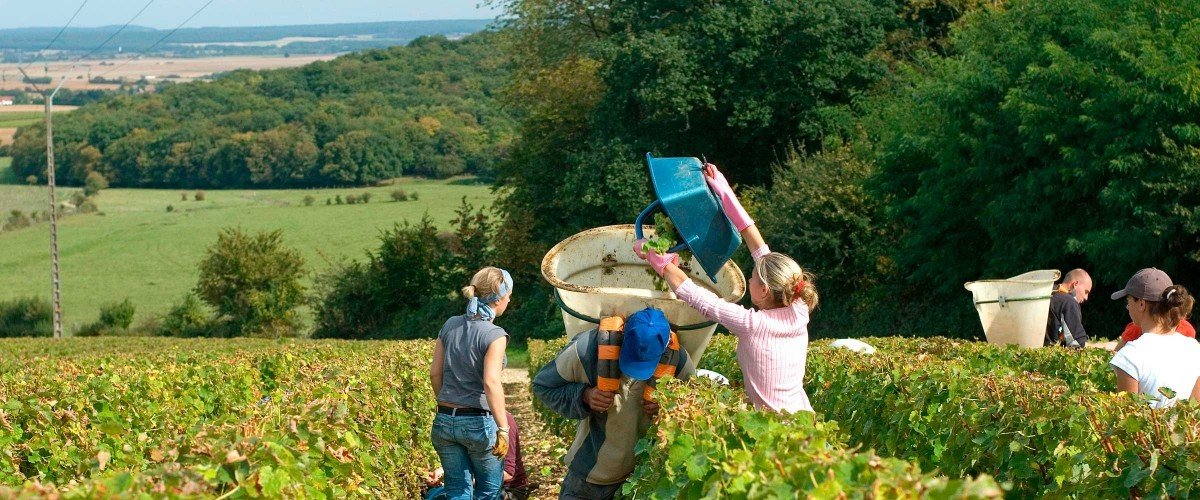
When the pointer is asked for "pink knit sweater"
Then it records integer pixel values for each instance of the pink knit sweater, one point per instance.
(772, 345)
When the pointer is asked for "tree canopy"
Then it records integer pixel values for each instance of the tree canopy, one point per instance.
(1054, 134)
(427, 109)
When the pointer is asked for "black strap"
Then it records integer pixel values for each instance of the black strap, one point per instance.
(462, 412)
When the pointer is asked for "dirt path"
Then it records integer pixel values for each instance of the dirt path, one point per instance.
(541, 452)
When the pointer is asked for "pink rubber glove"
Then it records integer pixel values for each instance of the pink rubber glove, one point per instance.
(657, 261)
(638, 248)
(729, 202)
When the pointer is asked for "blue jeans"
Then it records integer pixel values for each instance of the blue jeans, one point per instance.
(465, 446)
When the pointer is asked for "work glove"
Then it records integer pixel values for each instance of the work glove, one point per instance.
(657, 261)
(501, 448)
(729, 202)
(639, 248)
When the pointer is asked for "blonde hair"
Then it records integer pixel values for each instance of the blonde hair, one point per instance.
(783, 276)
(485, 282)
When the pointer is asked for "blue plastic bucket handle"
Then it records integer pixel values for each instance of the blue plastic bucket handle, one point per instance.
(656, 205)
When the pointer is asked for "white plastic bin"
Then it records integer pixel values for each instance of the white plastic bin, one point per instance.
(596, 274)
(1015, 310)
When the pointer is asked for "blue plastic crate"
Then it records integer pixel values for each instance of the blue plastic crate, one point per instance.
(687, 200)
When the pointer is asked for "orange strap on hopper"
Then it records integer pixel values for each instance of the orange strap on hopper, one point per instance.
(665, 368)
(608, 340)
(608, 350)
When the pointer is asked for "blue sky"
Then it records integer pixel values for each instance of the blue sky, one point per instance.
(169, 13)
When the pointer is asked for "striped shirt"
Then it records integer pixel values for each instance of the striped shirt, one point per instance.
(772, 345)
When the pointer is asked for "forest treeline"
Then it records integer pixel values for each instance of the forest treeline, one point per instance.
(896, 148)
(429, 108)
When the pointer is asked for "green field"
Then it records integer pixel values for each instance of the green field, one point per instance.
(16, 195)
(134, 248)
(20, 119)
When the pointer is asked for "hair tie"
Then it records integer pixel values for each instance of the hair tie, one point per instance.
(1169, 292)
(480, 307)
(799, 286)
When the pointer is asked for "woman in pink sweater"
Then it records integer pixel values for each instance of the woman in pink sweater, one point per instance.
(773, 338)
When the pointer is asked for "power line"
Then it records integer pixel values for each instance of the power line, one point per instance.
(155, 44)
(64, 28)
(72, 64)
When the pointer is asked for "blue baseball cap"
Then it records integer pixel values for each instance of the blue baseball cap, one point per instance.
(647, 334)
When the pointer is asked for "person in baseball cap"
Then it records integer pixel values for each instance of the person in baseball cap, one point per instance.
(647, 334)
(1147, 284)
(1163, 363)
(611, 419)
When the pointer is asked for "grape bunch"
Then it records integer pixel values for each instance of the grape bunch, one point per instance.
(664, 240)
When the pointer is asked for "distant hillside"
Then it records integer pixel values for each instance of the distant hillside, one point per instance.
(426, 109)
(23, 43)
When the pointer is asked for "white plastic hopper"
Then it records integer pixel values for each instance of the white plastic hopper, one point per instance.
(595, 274)
(1015, 310)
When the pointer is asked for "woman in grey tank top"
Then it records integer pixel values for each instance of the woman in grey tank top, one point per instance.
(470, 430)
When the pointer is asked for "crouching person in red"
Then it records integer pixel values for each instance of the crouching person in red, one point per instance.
(604, 378)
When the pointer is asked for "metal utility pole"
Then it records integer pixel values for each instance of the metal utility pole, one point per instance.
(48, 99)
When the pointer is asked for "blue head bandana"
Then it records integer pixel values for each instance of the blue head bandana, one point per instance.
(480, 307)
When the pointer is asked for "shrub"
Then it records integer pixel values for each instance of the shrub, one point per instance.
(5, 150)
(708, 441)
(94, 183)
(399, 195)
(819, 212)
(183, 196)
(32, 180)
(309, 200)
(88, 206)
(413, 196)
(118, 315)
(409, 282)
(328, 201)
(150, 324)
(77, 198)
(351, 199)
(26, 317)
(337, 199)
(93, 329)
(365, 197)
(175, 418)
(188, 318)
(1045, 421)
(199, 195)
(542, 353)
(115, 319)
(17, 220)
(253, 282)
(170, 208)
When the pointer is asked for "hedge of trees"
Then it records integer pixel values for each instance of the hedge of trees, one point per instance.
(897, 148)
(426, 109)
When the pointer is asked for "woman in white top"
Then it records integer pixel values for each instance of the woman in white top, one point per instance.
(1162, 363)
